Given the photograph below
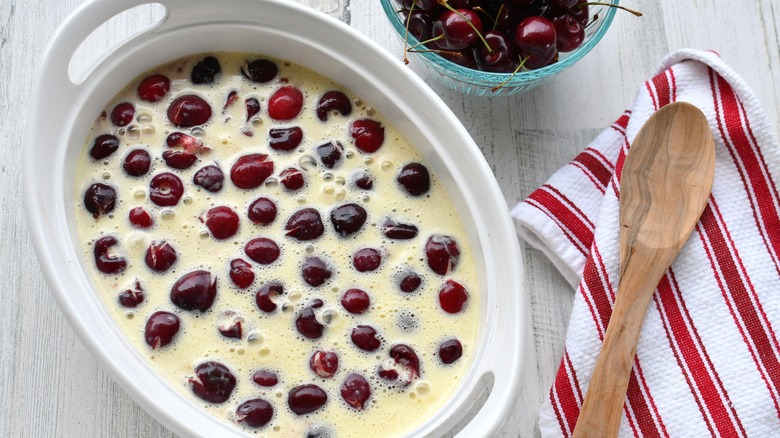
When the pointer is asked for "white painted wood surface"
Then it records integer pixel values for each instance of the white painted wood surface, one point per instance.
(51, 386)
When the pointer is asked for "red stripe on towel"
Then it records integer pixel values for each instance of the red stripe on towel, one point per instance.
(739, 296)
(694, 361)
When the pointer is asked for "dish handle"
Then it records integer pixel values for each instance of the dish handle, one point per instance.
(500, 370)
(73, 31)
(54, 80)
(87, 18)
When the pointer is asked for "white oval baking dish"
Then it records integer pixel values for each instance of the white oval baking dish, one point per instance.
(62, 113)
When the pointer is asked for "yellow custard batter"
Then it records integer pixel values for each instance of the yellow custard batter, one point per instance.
(271, 341)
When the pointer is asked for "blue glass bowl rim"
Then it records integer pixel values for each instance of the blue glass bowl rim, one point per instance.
(490, 79)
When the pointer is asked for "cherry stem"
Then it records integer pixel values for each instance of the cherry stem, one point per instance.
(522, 63)
(426, 42)
(498, 14)
(636, 13)
(406, 32)
(595, 18)
(479, 34)
(449, 52)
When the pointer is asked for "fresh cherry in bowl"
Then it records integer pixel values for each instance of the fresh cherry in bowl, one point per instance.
(497, 47)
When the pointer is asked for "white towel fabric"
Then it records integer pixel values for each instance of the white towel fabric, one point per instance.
(708, 359)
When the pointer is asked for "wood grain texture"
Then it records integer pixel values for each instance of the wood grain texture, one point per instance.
(52, 387)
(665, 184)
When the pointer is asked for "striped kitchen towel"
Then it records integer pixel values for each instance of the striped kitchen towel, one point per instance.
(708, 360)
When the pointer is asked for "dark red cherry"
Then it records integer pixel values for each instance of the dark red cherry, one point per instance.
(364, 337)
(355, 301)
(331, 102)
(99, 199)
(160, 329)
(165, 189)
(140, 218)
(204, 71)
(291, 178)
(179, 159)
(367, 259)
(265, 378)
(132, 297)
(324, 363)
(285, 103)
(214, 382)
(250, 171)
(315, 271)
(356, 391)
(363, 180)
(260, 70)
(103, 146)
(195, 291)
(252, 107)
(230, 100)
(405, 356)
(569, 31)
(160, 256)
(452, 296)
(415, 179)
(137, 162)
(254, 413)
(463, 57)
(210, 178)
(502, 58)
(305, 224)
(330, 153)
(122, 114)
(442, 253)
(450, 351)
(264, 297)
(456, 31)
(106, 262)
(241, 273)
(262, 211)
(222, 222)
(535, 38)
(262, 250)
(153, 88)
(188, 111)
(306, 322)
(580, 12)
(420, 26)
(348, 218)
(233, 331)
(368, 134)
(388, 373)
(410, 283)
(285, 139)
(305, 399)
(399, 231)
(181, 140)
(402, 367)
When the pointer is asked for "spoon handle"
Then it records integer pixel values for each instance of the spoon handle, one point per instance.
(603, 406)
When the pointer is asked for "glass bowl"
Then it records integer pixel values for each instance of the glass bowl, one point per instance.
(482, 83)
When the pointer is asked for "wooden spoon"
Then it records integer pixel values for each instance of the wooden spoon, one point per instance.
(666, 181)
